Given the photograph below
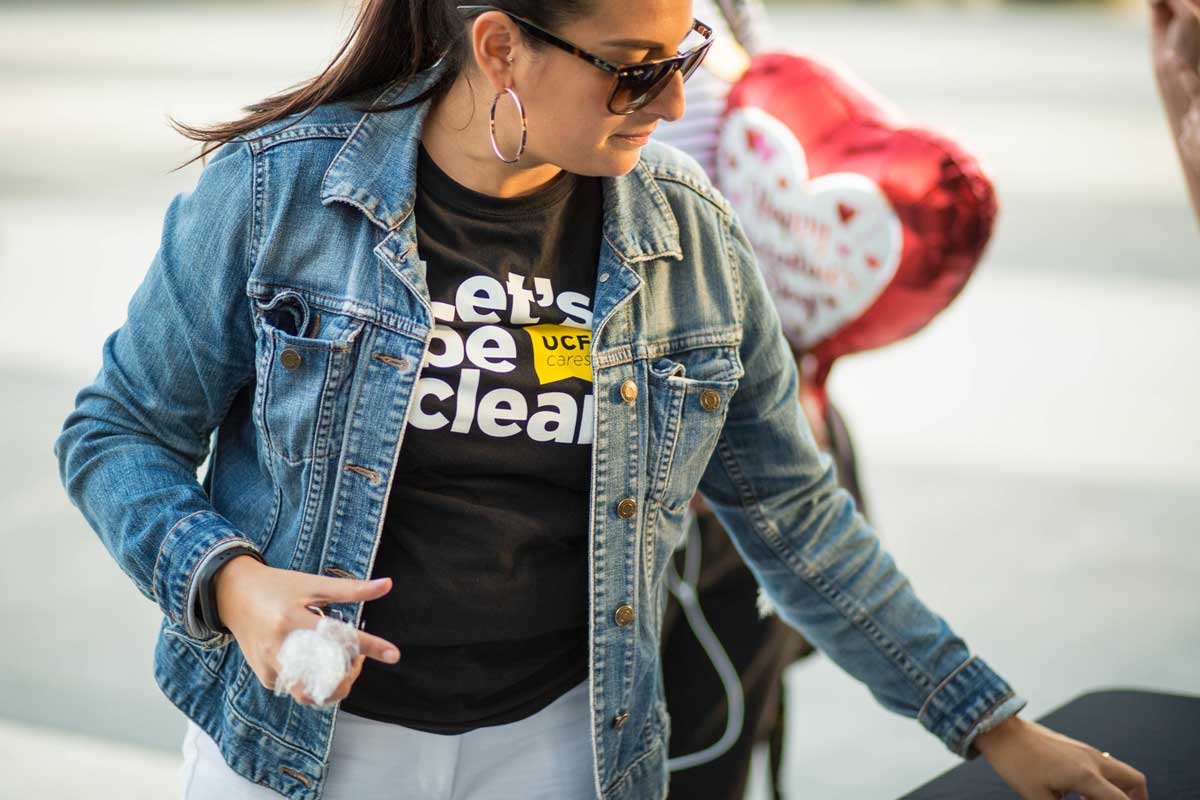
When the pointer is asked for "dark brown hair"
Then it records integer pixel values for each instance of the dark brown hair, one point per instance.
(391, 40)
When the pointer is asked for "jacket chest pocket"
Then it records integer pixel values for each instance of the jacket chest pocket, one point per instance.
(689, 399)
(305, 357)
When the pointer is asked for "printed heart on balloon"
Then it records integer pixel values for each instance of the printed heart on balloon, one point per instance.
(865, 228)
(827, 246)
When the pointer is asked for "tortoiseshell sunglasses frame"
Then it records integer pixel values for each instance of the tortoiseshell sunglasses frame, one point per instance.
(676, 62)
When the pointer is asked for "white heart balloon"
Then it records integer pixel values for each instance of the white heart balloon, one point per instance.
(827, 246)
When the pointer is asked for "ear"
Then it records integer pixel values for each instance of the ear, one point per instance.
(494, 39)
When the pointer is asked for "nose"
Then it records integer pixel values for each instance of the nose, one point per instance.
(670, 104)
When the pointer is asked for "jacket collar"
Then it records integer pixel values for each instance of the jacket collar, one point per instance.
(376, 168)
(376, 172)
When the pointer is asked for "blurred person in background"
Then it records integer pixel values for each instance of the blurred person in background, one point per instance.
(286, 330)
(1175, 43)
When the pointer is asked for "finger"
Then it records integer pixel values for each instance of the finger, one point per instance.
(343, 688)
(347, 590)
(338, 693)
(377, 648)
(369, 645)
(295, 619)
(1096, 787)
(296, 690)
(1124, 777)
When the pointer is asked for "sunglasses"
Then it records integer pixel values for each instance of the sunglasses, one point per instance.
(636, 84)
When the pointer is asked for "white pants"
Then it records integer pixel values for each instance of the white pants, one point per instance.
(547, 756)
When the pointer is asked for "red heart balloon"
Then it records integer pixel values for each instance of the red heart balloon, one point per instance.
(865, 228)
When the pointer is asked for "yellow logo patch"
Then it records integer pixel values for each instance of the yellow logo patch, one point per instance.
(561, 352)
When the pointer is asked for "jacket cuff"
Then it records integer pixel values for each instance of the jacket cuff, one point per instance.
(196, 620)
(1008, 708)
(971, 700)
(183, 549)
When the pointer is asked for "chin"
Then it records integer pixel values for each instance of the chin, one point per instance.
(620, 162)
(606, 164)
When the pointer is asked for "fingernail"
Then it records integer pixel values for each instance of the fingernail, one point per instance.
(391, 656)
(379, 581)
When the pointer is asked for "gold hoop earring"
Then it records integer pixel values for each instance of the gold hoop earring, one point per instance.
(524, 127)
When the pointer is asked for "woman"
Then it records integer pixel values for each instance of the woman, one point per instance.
(389, 319)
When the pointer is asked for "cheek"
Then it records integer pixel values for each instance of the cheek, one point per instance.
(570, 125)
(574, 138)
(571, 110)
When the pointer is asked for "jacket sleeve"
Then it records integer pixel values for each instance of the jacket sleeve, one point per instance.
(129, 451)
(817, 558)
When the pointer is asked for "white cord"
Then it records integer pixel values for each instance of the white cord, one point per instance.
(684, 590)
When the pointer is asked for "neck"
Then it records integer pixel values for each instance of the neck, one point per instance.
(456, 135)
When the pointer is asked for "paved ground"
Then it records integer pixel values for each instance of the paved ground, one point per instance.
(1030, 457)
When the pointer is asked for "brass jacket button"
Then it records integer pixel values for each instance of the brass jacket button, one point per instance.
(629, 392)
(710, 400)
(624, 615)
(290, 359)
(626, 508)
(619, 720)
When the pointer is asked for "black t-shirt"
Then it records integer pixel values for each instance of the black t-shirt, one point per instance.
(485, 536)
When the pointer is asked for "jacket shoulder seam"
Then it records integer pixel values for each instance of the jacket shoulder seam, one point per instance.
(336, 130)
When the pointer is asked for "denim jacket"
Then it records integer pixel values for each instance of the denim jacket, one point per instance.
(302, 424)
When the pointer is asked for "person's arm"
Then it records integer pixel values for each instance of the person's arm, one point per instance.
(823, 568)
(129, 451)
(1175, 44)
(815, 556)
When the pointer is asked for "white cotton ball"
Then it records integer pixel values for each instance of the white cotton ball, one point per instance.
(317, 659)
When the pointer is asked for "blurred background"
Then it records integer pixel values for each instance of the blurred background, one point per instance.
(1030, 457)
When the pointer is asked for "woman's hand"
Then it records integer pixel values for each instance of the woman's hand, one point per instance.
(261, 605)
(1040, 764)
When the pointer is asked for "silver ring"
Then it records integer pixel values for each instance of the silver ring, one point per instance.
(320, 611)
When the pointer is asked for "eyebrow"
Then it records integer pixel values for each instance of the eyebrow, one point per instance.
(641, 44)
